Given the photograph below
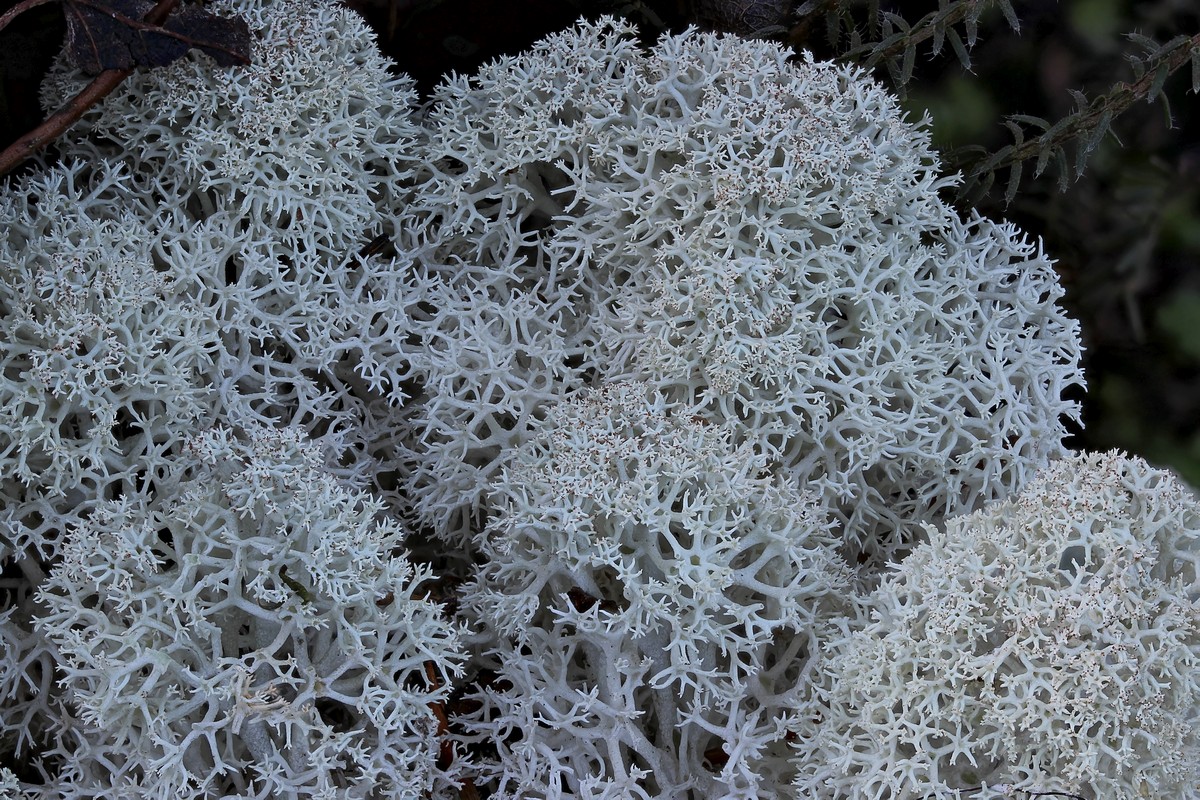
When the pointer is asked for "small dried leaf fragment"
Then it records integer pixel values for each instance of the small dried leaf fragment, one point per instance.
(111, 34)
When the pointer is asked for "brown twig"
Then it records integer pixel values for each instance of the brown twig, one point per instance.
(446, 749)
(439, 713)
(20, 8)
(77, 106)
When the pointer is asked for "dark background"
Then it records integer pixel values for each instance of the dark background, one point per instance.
(1126, 235)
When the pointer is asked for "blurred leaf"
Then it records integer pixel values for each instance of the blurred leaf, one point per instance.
(1010, 16)
(960, 50)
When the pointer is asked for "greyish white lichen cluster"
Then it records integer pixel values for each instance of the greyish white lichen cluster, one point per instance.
(759, 241)
(683, 443)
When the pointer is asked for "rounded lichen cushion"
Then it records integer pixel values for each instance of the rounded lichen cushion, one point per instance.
(762, 239)
(1046, 643)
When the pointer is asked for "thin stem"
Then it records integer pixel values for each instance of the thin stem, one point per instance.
(1115, 102)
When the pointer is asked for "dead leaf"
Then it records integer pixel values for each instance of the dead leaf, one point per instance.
(111, 34)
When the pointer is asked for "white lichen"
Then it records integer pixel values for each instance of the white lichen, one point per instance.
(652, 596)
(253, 631)
(758, 237)
(1048, 642)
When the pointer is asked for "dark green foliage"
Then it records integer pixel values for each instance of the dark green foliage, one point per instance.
(893, 41)
(1083, 129)
(873, 35)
